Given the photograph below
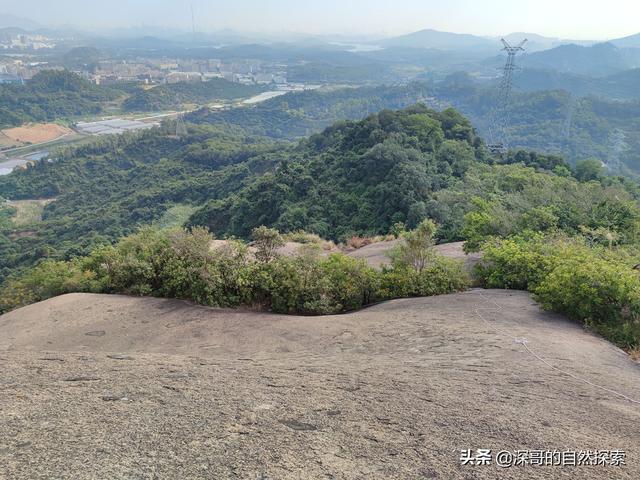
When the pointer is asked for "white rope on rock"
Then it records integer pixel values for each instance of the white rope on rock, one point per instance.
(524, 342)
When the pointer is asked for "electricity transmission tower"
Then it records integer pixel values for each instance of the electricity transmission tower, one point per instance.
(568, 124)
(617, 146)
(500, 119)
(181, 128)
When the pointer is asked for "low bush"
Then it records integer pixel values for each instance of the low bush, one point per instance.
(602, 294)
(441, 276)
(189, 265)
(356, 242)
(317, 285)
(49, 279)
(517, 263)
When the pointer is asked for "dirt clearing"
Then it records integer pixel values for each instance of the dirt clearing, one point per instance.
(35, 133)
(97, 386)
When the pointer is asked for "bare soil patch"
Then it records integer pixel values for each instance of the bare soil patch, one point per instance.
(36, 133)
(168, 389)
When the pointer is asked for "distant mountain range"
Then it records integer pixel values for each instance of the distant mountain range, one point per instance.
(434, 39)
(632, 41)
(440, 40)
(426, 39)
(598, 60)
(17, 22)
(622, 86)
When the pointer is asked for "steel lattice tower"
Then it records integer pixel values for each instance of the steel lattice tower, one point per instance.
(500, 119)
(181, 128)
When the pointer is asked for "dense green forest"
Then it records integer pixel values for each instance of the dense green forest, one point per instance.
(359, 178)
(300, 114)
(175, 95)
(52, 95)
(620, 86)
(545, 121)
(355, 177)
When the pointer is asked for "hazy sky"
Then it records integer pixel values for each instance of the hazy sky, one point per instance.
(579, 19)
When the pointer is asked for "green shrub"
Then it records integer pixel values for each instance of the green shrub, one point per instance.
(352, 282)
(134, 266)
(602, 294)
(266, 241)
(296, 285)
(316, 285)
(189, 265)
(48, 279)
(440, 276)
(516, 263)
(300, 236)
(417, 248)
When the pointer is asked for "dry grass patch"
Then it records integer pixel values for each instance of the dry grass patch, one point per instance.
(355, 242)
(306, 238)
(28, 212)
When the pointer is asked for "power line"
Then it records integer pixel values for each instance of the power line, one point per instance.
(181, 128)
(500, 120)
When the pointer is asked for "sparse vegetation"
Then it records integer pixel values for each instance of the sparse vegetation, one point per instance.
(28, 212)
(417, 248)
(175, 216)
(356, 242)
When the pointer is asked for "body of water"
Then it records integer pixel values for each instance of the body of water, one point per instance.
(7, 166)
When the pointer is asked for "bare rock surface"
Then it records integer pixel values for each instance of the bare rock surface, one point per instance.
(376, 254)
(395, 391)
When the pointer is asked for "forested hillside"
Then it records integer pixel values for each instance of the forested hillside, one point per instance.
(545, 121)
(301, 114)
(573, 126)
(359, 178)
(598, 60)
(104, 190)
(619, 86)
(52, 95)
(62, 95)
(354, 178)
(175, 95)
